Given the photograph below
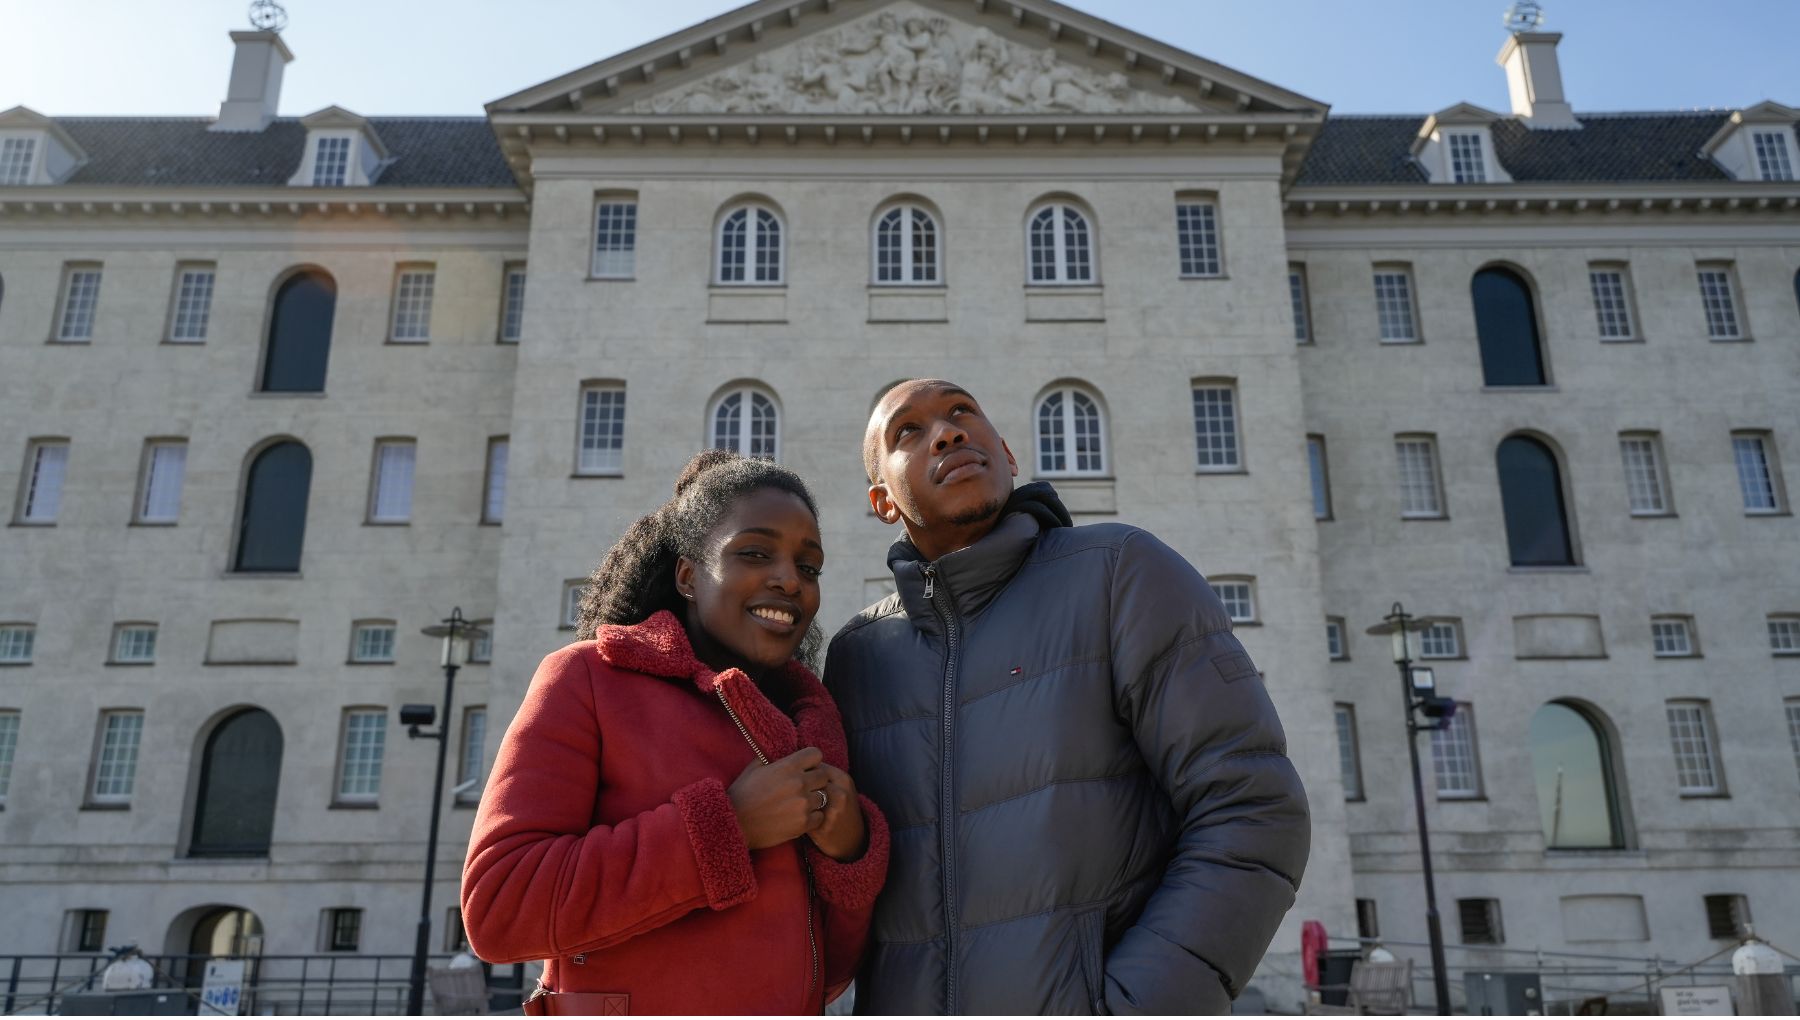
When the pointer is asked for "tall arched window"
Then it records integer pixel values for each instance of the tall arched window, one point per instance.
(299, 342)
(1506, 323)
(750, 247)
(1071, 433)
(746, 421)
(906, 247)
(234, 811)
(1578, 789)
(272, 525)
(1531, 496)
(1060, 245)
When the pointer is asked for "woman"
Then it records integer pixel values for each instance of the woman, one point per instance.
(668, 823)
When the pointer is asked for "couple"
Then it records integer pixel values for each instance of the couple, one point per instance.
(1069, 778)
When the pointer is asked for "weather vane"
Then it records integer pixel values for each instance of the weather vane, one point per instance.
(1524, 16)
(267, 16)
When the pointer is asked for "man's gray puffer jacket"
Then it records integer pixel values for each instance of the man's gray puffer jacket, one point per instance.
(1091, 804)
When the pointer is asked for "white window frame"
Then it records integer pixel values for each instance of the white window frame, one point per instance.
(1227, 453)
(615, 227)
(415, 291)
(759, 219)
(1336, 635)
(1441, 639)
(391, 480)
(328, 938)
(1199, 247)
(1300, 296)
(1411, 489)
(493, 485)
(1773, 161)
(481, 647)
(18, 160)
(116, 745)
(190, 305)
(743, 444)
(1721, 302)
(1457, 739)
(1066, 422)
(1349, 751)
(910, 270)
(361, 732)
(1062, 264)
(600, 420)
(1672, 637)
(471, 757)
(1466, 167)
(1793, 722)
(17, 642)
(338, 173)
(1393, 284)
(1615, 304)
(512, 303)
(1759, 472)
(1646, 479)
(1318, 470)
(572, 591)
(9, 748)
(161, 479)
(372, 642)
(133, 644)
(1228, 599)
(1695, 746)
(43, 480)
(78, 307)
(1784, 633)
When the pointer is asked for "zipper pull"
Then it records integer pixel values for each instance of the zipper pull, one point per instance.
(930, 573)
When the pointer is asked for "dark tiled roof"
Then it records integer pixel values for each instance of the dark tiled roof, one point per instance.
(1609, 147)
(425, 152)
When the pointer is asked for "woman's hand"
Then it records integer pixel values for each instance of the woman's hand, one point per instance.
(779, 801)
(843, 835)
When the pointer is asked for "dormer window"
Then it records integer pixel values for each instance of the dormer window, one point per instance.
(35, 150)
(1468, 165)
(1756, 143)
(331, 162)
(1772, 160)
(18, 155)
(1456, 146)
(342, 151)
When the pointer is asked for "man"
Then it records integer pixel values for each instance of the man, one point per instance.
(1090, 802)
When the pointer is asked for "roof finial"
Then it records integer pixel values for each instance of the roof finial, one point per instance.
(267, 16)
(1524, 16)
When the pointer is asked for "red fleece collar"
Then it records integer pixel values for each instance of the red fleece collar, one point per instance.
(659, 647)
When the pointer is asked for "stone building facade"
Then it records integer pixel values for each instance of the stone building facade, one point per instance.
(1531, 374)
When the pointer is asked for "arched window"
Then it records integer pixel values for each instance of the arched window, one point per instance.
(272, 525)
(300, 334)
(1071, 433)
(1531, 496)
(1506, 323)
(906, 247)
(234, 810)
(1578, 788)
(750, 247)
(1060, 245)
(746, 421)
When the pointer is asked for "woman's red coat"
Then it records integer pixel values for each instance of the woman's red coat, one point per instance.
(606, 844)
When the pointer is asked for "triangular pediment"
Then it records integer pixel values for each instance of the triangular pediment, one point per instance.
(905, 58)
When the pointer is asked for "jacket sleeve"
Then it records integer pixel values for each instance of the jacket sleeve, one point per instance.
(1209, 734)
(541, 881)
(848, 890)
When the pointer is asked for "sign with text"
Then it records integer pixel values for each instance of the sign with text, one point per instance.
(1696, 1000)
(223, 992)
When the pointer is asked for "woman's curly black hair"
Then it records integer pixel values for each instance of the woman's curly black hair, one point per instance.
(637, 576)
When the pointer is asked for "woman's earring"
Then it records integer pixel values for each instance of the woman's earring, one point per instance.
(688, 595)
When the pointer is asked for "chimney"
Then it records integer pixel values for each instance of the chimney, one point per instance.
(1535, 80)
(255, 82)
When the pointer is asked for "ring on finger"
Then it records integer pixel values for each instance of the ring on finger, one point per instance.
(824, 799)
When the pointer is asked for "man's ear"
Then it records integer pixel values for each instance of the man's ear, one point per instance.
(1010, 459)
(684, 577)
(882, 505)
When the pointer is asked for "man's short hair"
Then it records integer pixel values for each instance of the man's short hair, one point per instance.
(872, 435)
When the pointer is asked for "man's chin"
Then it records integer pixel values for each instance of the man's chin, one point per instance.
(978, 513)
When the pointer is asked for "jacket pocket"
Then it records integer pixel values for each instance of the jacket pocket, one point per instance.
(1090, 932)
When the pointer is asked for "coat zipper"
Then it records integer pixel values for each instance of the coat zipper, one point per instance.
(812, 937)
(946, 786)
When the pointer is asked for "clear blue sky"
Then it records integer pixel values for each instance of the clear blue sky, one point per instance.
(385, 57)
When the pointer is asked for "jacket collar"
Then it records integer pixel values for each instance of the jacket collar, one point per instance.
(659, 647)
(970, 577)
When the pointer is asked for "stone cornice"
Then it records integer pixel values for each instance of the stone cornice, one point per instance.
(1425, 200)
(253, 204)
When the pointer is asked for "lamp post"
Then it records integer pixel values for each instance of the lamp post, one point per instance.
(457, 633)
(1418, 691)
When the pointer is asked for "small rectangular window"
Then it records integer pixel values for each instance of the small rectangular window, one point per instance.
(1672, 637)
(81, 297)
(1611, 287)
(1321, 482)
(17, 156)
(571, 603)
(1216, 428)
(1349, 753)
(602, 439)
(134, 644)
(1302, 303)
(84, 931)
(493, 500)
(1467, 164)
(1691, 738)
(1718, 295)
(1784, 635)
(413, 290)
(159, 491)
(1421, 494)
(1197, 238)
(1759, 473)
(390, 497)
(1480, 922)
(115, 766)
(615, 239)
(9, 743)
(1441, 640)
(16, 640)
(1334, 638)
(1772, 156)
(471, 762)
(1645, 483)
(481, 647)
(1368, 920)
(1454, 760)
(193, 304)
(331, 163)
(1239, 598)
(344, 929)
(359, 766)
(1727, 916)
(1394, 305)
(1792, 704)
(372, 641)
(512, 305)
(46, 461)
(456, 939)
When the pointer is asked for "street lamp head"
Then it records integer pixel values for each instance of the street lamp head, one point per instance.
(457, 634)
(1406, 631)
